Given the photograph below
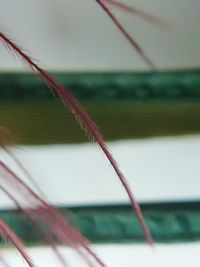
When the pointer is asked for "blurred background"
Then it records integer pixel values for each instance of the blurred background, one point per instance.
(149, 119)
(77, 36)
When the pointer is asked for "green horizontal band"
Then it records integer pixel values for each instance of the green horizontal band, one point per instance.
(146, 104)
(168, 222)
(166, 85)
(52, 123)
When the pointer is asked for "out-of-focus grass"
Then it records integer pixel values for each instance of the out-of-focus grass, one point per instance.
(49, 123)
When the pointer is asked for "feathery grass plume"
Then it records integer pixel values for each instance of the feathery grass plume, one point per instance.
(45, 217)
(7, 231)
(84, 120)
(135, 11)
(5, 142)
(45, 234)
(32, 214)
(131, 40)
(7, 139)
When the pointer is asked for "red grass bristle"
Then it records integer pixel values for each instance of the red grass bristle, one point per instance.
(44, 216)
(7, 139)
(131, 40)
(135, 11)
(83, 118)
(16, 242)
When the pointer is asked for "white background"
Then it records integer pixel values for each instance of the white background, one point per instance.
(157, 169)
(76, 34)
(163, 255)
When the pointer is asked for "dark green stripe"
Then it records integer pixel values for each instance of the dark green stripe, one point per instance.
(168, 222)
(166, 85)
(124, 105)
